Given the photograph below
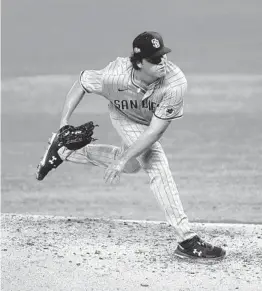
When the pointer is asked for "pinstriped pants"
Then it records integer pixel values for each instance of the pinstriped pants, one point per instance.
(154, 162)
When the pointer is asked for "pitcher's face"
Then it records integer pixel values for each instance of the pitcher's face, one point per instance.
(155, 67)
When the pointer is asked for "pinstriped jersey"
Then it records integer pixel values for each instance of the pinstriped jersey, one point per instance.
(163, 98)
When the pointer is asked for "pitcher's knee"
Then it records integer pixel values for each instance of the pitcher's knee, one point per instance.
(64, 153)
(132, 167)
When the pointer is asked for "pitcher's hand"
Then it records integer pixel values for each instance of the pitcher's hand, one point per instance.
(112, 173)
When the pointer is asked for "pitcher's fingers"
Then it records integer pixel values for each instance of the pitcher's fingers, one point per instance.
(107, 173)
(116, 179)
(109, 176)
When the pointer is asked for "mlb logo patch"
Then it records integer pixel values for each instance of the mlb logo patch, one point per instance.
(170, 110)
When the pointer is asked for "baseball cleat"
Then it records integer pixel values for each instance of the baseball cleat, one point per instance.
(51, 159)
(196, 248)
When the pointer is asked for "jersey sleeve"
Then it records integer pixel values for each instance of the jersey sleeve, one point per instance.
(172, 104)
(92, 81)
(95, 81)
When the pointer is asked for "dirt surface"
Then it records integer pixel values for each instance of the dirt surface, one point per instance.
(66, 253)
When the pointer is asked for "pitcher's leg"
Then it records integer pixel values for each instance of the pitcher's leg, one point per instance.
(101, 155)
(155, 163)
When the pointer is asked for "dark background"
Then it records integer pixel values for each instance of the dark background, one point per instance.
(63, 36)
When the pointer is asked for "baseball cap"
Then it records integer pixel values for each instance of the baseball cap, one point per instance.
(149, 44)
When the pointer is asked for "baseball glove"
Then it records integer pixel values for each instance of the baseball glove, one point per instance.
(76, 137)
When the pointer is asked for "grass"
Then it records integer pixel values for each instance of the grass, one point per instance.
(214, 154)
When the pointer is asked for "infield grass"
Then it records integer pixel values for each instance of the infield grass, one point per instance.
(214, 153)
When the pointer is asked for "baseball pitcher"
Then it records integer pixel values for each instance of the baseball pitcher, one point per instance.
(145, 93)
